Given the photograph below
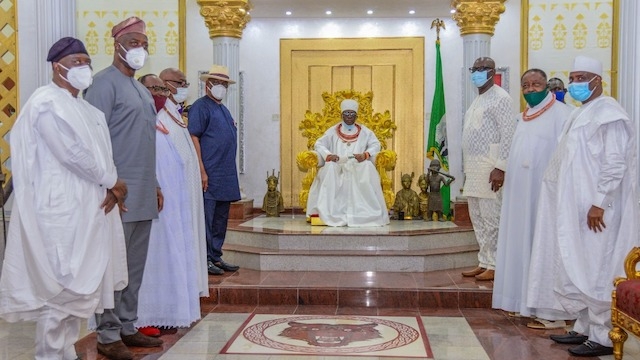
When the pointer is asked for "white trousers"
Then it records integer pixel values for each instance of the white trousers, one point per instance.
(56, 334)
(595, 322)
(485, 218)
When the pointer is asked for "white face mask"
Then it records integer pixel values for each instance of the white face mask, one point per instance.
(218, 91)
(135, 57)
(80, 77)
(181, 95)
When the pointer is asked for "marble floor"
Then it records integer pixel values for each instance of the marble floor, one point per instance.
(452, 328)
(457, 320)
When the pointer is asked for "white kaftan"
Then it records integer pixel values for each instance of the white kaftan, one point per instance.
(184, 145)
(169, 294)
(533, 143)
(594, 164)
(63, 251)
(486, 138)
(348, 192)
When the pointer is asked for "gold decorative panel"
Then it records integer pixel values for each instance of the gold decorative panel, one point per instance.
(8, 77)
(96, 18)
(555, 32)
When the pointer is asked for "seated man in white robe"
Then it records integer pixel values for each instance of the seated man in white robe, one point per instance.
(347, 190)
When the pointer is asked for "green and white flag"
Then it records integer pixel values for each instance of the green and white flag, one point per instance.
(437, 143)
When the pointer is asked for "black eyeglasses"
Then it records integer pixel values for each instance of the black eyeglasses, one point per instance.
(159, 88)
(479, 68)
(181, 83)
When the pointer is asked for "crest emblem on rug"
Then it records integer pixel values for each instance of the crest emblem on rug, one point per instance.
(330, 335)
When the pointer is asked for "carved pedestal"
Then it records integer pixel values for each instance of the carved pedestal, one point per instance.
(241, 210)
(461, 212)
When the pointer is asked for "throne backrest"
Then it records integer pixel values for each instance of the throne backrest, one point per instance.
(314, 125)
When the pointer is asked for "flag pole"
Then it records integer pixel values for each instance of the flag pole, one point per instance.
(437, 141)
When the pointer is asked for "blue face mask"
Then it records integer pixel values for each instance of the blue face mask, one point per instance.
(580, 90)
(559, 95)
(479, 78)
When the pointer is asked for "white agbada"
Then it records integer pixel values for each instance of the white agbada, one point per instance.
(594, 164)
(489, 124)
(348, 192)
(62, 250)
(169, 294)
(181, 139)
(531, 148)
(488, 128)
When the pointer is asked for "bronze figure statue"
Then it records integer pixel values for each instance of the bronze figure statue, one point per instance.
(273, 204)
(436, 179)
(407, 204)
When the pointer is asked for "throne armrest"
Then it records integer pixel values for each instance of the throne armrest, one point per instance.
(309, 159)
(630, 265)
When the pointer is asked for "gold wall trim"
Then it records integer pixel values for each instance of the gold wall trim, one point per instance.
(182, 35)
(615, 41)
(524, 44)
(9, 88)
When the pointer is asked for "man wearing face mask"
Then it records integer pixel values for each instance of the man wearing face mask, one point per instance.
(65, 248)
(535, 138)
(214, 135)
(588, 207)
(556, 86)
(131, 115)
(489, 124)
(171, 116)
(169, 294)
(347, 190)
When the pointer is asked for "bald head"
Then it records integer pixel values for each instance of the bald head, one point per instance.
(174, 79)
(484, 62)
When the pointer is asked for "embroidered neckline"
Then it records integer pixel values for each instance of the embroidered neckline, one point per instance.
(177, 121)
(348, 138)
(527, 117)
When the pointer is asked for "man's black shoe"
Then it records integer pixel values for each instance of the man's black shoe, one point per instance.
(226, 266)
(590, 348)
(214, 270)
(571, 337)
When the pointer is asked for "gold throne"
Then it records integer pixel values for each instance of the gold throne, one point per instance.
(314, 126)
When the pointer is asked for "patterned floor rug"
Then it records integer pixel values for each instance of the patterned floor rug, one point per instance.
(329, 335)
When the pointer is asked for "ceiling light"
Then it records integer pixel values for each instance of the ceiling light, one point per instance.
(411, 12)
(453, 11)
(288, 13)
(328, 12)
(369, 12)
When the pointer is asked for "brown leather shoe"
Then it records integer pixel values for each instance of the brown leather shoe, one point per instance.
(473, 272)
(140, 340)
(115, 351)
(485, 276)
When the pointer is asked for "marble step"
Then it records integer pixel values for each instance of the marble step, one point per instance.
(266, 259)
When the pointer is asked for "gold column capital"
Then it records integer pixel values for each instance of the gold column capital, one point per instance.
(225, 17)
(477, 16)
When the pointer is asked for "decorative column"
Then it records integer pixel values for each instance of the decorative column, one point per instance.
(629, 60)
(226, 19)
(477, 20)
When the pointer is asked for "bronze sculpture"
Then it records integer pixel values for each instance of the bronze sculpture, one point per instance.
(273, 204)
(407, 204)
(436, 179)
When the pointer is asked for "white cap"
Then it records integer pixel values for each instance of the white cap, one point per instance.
(348, 104)
(584, 63)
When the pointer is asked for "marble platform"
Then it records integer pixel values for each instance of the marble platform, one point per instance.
(289, 243)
